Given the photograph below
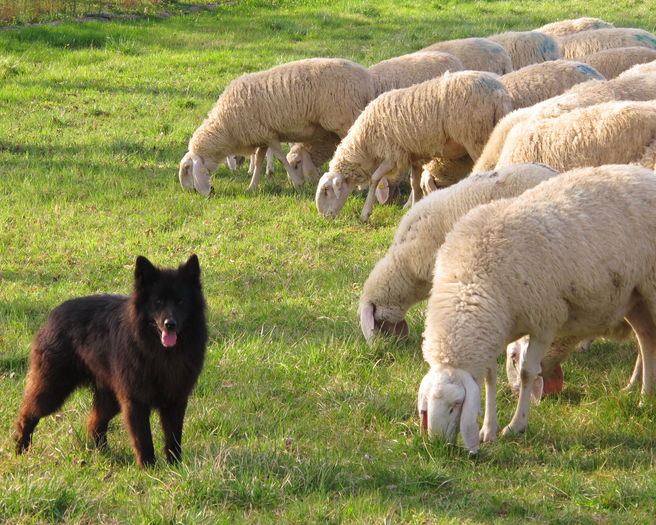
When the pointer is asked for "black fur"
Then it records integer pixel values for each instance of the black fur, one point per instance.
(115, 345)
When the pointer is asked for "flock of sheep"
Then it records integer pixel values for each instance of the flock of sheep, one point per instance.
(542, 145)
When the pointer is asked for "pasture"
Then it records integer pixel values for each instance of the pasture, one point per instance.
(295, 418)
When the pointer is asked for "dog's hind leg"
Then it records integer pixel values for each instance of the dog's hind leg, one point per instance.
(45, 392)
(136, 416)
(172, 417)
(105, 407)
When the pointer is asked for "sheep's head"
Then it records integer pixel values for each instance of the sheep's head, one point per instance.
(515, 353)
(194, 173)
(374, 321)
(449, 399)
(332, 192)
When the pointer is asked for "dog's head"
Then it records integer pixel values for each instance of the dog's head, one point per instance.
(166, 300)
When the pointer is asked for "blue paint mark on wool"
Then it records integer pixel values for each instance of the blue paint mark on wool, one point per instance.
(592, 73)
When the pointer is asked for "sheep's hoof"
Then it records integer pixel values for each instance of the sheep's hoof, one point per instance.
(510, 432)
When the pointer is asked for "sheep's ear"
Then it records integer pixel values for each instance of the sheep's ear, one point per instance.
(231, 162)
(184, 173)
(201, 178)
(382, 191)
(367, 323)
(536, 391)
(469, 417)
(339, 186)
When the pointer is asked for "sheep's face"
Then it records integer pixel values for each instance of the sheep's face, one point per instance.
(372, 324)
(448, 401)
(194, 173)
(440, 401)
(294, 157)
(332, 192)
(515, 353)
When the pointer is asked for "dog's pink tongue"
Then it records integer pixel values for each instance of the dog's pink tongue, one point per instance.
(169, 338)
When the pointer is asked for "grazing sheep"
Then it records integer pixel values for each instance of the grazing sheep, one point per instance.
(571, 257)
(538, 82)
(307, 157)
(527, 47)
(526, 86)
(611, 62)
(440, 173)
(285, 103)
(579, 45)
(609, 133)
(568, 27)
(395, 73)
(550, 379)
(408, 70)
(403, 276)
(478, 54)
(408, 127)
(637, 83)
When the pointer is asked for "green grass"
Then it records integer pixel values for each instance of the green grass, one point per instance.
(95, 119)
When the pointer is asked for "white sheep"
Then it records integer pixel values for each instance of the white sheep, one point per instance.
(551, 378)
(407, 127)
(479, 54)
(581, 44)
(637, 83)
(538, 82)
(609, 133)
(572, 256)
(611, 62)
(285, 103)
(568, 27)
(394, 73)
(527, 47)
(407, 70)
(403, 276)
(526, 86)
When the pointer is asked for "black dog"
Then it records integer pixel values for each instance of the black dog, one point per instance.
(136, 352)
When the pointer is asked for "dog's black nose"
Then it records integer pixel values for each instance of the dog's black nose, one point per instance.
(170, 324)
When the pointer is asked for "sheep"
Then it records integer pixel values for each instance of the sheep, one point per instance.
(550, 378)
(609, 133)
(403, 276)
(527, 47)
(568, 27)
(611, 62)
(394, 73)
(526, 86)
(538, 82)
(307, 157)
(408, 127)
(634, 84)
(284, 103)
(570, 257)
(440, 173)
(407, 70)
(479, 54)
(579, 45)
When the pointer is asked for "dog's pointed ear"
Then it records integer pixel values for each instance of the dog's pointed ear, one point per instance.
(144, 271)
(191, 268)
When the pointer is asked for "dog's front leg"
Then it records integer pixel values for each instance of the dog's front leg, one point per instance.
(137, 420)
(172, 417)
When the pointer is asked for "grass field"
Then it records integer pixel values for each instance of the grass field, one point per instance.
(295, 419)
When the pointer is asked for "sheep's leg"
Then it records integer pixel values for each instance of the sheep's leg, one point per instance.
(490, 422)
(294, 176)
(380, 172)
(251, 164)
(270, 168)
(636, 376)
(415, 184)
(257, 167)
(529, 366)
(643, 325)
